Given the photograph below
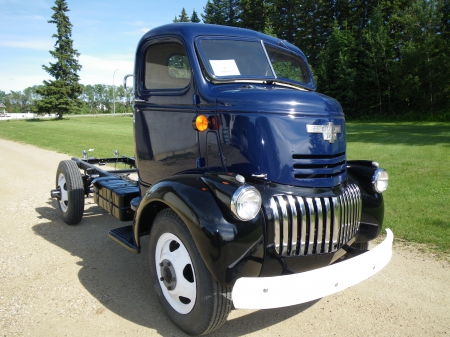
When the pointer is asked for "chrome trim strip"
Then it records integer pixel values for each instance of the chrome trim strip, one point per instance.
(285, 224)
(293, 225)
(311, 226)
(303, 225)
(276, 220)
(327, 226)
(319, 228)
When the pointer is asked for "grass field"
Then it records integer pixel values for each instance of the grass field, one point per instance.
(417, 158)
(72, 135)
(416, 155)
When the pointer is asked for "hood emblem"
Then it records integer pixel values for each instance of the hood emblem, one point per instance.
(329, 132)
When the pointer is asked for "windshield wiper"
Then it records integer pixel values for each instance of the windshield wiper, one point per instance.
(287, 84)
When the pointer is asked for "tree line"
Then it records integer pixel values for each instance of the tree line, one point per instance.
(94, 99)
(380, 59)
(383, 59)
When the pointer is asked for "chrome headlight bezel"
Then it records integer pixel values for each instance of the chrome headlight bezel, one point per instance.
(380, 180)
(246, 203)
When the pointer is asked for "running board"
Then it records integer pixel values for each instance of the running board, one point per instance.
(124, 236)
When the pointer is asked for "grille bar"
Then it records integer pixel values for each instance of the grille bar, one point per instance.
(307, 226)
(309, 169)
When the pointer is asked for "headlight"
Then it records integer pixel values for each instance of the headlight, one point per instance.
(380, 180)
(246, 202)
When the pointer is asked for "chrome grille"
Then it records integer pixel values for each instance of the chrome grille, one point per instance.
(307, 226)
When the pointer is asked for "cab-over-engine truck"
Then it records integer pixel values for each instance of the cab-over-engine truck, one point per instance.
(243, 185)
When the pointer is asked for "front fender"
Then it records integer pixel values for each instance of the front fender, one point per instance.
(361, 173)
(230, 248)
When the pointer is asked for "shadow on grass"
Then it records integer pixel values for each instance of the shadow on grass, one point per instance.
(419, 134)
(119, 279)
(53, 119)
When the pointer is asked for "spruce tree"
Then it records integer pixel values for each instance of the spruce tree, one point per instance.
(194, 17)
(255, 14)
(222, 12)
(61, 95)
(183, 17)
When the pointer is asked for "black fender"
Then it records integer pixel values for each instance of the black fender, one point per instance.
(361, 173)
(229, 247)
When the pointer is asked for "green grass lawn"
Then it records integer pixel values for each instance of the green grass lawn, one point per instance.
(417, 158)
(416, 155)
(72, 135)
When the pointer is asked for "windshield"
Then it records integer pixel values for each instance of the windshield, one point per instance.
(287, 65)
(229, 59)
(235, 59)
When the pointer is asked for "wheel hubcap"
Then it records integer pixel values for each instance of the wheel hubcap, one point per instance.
(62, 186)
(168, 275)
(175, 273)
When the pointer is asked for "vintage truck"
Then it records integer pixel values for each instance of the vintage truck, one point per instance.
(243, 183)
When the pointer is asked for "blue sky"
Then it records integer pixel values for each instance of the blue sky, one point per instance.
(105, 33)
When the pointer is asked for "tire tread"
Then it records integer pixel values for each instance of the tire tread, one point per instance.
(75, 186)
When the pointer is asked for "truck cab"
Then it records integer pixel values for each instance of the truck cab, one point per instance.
(244, 186)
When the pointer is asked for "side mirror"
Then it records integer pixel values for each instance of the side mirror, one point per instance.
(125, 80)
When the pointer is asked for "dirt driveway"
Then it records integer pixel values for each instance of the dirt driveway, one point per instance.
(60, 280)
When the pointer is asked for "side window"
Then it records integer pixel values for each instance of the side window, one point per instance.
(166, 67)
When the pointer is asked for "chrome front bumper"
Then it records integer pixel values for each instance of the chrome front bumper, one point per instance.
(283, 291)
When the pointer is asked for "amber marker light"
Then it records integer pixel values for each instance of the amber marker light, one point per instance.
(200, 123)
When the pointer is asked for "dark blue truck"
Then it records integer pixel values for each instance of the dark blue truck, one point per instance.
(243, 183)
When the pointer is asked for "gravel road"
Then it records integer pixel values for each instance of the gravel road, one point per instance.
(60, 280)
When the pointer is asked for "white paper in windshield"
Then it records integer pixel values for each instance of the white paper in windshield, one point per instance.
(224, 67)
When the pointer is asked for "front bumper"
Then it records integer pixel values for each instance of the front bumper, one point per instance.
(282, 291)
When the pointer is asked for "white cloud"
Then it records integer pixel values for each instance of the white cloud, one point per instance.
(28, 44)
(139, 32)
(97, 70)
(144, 30)
(36, 17)
(41, 44)
(18, 82)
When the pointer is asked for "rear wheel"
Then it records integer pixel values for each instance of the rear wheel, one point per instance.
(191, 297)
(71, 189)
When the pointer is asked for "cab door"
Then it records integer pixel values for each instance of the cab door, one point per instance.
(165, 141)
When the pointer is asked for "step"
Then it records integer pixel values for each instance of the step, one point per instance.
(125, 237)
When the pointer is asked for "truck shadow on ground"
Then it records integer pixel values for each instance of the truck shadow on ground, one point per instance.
(119, 279)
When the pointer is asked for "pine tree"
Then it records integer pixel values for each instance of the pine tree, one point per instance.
(284, 17)
(255, 14)
(183, 17)
(222, 12)
(340, 59)
(194, 17)
(61, 95)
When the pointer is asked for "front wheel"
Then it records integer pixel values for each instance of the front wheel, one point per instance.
(71, 190)
(190, 296)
